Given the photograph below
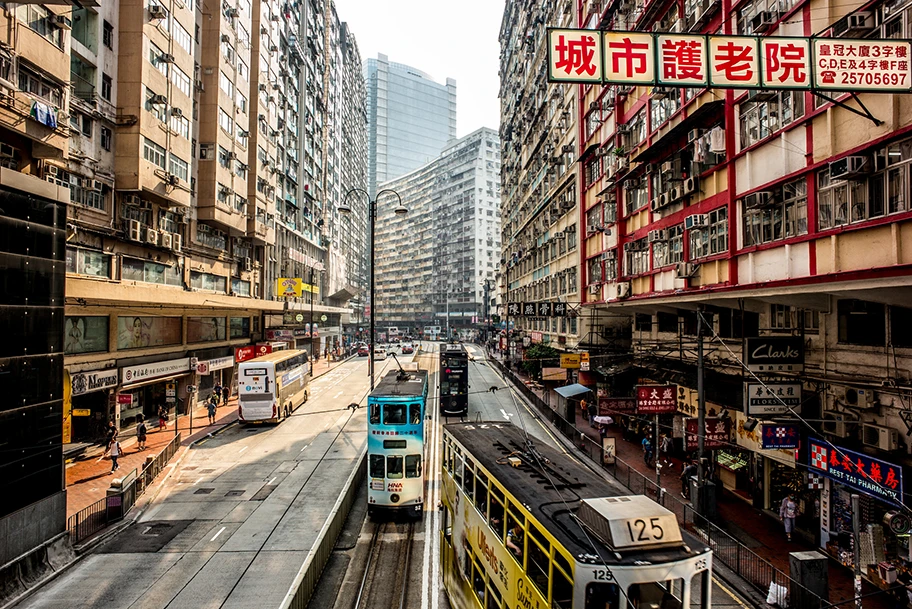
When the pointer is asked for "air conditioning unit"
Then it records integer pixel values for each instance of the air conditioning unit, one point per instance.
(232, 156)
(262, 86)
(595, 288)
(657, 235)
(157, 11)
(248, 264)
(135, 230)
(158, 100)
(858, 398)
(660, 92)
(664, 199)
(675, 194)
(684, 270)
(690, 185)
(834, 424)
(166, 58)
(225, 38)
(622, 289)
(167, 240)
(655, 204)
(172, 180)
(593, 105)
(878, 436)
(60, 21)
(151, 236)
(762, 22)
(761, 198)
(198, 83)
(51, 171)
(176, 242)
(856, 24)
(175, 111)
(849, 167)
(695, 221)
(233, 13)
(694, 134)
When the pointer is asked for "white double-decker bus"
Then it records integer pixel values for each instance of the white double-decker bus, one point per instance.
(272, 386)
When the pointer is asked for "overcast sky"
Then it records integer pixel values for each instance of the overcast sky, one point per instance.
(444, 39)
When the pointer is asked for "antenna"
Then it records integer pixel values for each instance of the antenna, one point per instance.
(403, 375)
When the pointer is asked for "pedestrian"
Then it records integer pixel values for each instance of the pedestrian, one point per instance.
(211, 405)
(689, 471)
(788, 511)
(603, 431)
(591, 410)
(162, 417)
(225, 393)
(111, 434)
(141, 435)
(647, 450)
(115, 452)
(217, 391)
(665, 447)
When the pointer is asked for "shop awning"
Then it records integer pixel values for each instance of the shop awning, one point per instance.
(571, 390)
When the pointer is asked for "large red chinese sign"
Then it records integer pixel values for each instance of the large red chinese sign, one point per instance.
(716, 433)
(656, 399)
(735, 62)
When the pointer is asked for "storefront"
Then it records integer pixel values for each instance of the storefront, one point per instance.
(89, 402)
(147, 386)
(218, 371)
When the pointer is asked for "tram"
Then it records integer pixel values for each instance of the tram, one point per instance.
(524, 526)
(395, 442)
(454, 380)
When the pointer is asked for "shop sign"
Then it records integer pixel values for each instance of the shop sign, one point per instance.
(279, 334)
(87, 382)
(82, 412)
(536, 309)
(202, 367)
(774, 353)
(554, 374)
(766, 399)
(125, 398)
(588, 56)
(751, 440)
(584, 361)
(656, 399)
(220, 363)
(135, 374)
(858, 471)
(779, 436)
(536, 337)
(242, 354)
(287, 287)
(717, 433)
(570, 360)
(614, 406)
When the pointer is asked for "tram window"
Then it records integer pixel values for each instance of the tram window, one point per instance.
(393, 466)
(537, 565)
(447, 527)
(698, 583)
(495, 601)
(457, 471)
(515, 537)
(497, 516)
(412, 466)
(469, 482)
(481, 493)
(375, 414)
(561, 591)
(656, 594)
(377, 463)
(478, 582)
(394, 414)
(602, 596)
(562, 562)
(415, 414)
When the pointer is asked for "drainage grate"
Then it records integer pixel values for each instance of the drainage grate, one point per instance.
(203, 491)
(264, 492)
(234, 493)
(206, 471)
(190, 468)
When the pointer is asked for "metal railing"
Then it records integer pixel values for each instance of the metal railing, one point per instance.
(750, 566)
(90, 520)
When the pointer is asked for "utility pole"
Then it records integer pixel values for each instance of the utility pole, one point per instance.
(701, 407)
(311, 337)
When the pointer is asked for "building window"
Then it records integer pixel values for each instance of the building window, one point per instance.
(900, 327)
(711, 239)
(157, 109)
(594, 168)
(242, 70)
(181, 80)
(107, 35)
(636, 257)
(759, 120)
(595, 273)
(670, 251)
(181, 36)
(643, 322)
(224, 157)
(225, 84)
(181, 126)
(153, 153)
(211, 237)
(635, 195)
(240, 287)
(239, 327)
(225, 122)
(84, 192)
(106, 87)
(784, 317)
(862, 323)
(241, 103)
(106, 138)
(151, 272)
(6, 67)
(88, 262)
(179, 168)
(785, 217)
(33, 84)
(36, 17)
(662, 109)
(155, 58)
(208, 281)
(240, 169)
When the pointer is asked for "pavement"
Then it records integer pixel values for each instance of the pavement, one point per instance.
(757, 529)
(88, 479)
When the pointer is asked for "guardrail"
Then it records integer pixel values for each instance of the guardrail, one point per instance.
(753, 568)
(90, 520)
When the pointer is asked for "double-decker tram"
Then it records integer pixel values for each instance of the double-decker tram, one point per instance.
(525, 526)
(395, 442)
(453, 380)
(272, 386)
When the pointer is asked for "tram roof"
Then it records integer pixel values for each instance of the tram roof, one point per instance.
(553, 499)
(413, 385)
(453, 348)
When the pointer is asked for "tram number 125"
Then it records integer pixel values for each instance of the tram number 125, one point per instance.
(642, 531)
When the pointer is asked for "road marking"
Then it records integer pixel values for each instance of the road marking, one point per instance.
(217, 534)
(506, 415)
(338, 394)
(146, 531)
(243, 449)
(729, 592)
(197, 482)
(302, 450)
(271, 481)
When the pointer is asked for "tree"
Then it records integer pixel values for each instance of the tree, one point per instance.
(535, 356)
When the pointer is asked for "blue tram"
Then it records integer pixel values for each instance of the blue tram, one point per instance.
(395, 442)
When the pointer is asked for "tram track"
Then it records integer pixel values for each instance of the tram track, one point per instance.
(385, 582)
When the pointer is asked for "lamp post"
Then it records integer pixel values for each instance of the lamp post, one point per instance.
(372, 218)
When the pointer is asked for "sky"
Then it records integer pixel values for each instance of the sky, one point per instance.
(444, 39)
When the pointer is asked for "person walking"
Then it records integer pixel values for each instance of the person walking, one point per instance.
(689, 471)
(217, 391)
(115, 452)
(647, 450)
(111, 434)
(666, 445)
(225, 393)
(591, 410)
(211, 405)
(141, 435)
(162, 417)
(788, 511)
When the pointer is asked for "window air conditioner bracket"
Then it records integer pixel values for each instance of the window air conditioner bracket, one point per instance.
(864, 112)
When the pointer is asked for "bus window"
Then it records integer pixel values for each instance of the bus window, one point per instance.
(376, 466)
(602, 596)
(468, 484)
(495, 601)
(537, 564)
(481, 493)
(393, 466)
(478, 582)
(656, 594)
(497, 515)
(394, 414)
(415, 414)
(413, 466)
(375, 414)
(561, 590)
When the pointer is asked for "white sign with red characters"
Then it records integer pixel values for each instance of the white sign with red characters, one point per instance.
(629, 58)
(881, 65)
(734, 62)
(682, 60)
(576, 56)
(786, 63)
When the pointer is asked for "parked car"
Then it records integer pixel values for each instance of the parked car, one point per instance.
(363, 351)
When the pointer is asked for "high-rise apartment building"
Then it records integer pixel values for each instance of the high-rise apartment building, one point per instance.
(410, 119)
(432, 263)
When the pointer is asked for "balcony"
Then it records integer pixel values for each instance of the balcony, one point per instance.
(82, 88)
(261, 232)
(224, 215)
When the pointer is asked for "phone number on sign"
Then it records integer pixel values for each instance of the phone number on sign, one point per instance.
(872, 78)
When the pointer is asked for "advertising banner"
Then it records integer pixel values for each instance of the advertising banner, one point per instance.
(87, 382)
(615, 406)
(289, 286)
(537, 309)
(861, 472)
(145, 372)
(570, 360)
(84, 334)
(554, 374)
(656, 399)
(205, 329)
(139, 332)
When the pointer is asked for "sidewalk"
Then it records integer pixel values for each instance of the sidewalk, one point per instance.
(88, 479)
(762, 533)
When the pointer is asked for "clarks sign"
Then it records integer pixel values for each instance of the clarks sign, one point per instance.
(775, 353)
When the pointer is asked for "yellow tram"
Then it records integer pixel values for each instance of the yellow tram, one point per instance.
(524, 526)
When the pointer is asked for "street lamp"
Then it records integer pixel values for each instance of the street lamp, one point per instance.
(372, 217)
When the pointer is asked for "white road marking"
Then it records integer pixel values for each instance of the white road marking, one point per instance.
(506, 415)
(338, 394)
(302, 450)
(146, 531)
(243, 449)
(271, 481)
(197, 482)
(214, 537)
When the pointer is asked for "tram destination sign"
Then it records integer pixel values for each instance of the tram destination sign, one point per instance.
(731, 62)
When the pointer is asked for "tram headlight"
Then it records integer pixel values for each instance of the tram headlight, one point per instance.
(394, 498)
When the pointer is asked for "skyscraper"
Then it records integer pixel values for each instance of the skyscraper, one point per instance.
(410, 119)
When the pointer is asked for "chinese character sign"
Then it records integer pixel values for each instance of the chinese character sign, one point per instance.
(786, 62)
(734, 62)
(866, 474)
(615, 406)
(881, 65)
(574, 56)
(771, 398)
(528, 309)
(513, 309)
(717, 433)
(544, 309)
(682, 60)
(629, 57)
(779, 436)
(656, 399)
(289, 286)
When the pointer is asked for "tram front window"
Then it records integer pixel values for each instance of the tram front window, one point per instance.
(656, 595)
(415, 414)
(375, 414)
(394, 414)
(602, 596)
(393, 466)
(376, 466)
(413, 466)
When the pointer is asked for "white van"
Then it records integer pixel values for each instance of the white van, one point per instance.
(379, 352)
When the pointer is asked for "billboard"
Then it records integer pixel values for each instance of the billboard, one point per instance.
(774, 353)
(656, 399)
